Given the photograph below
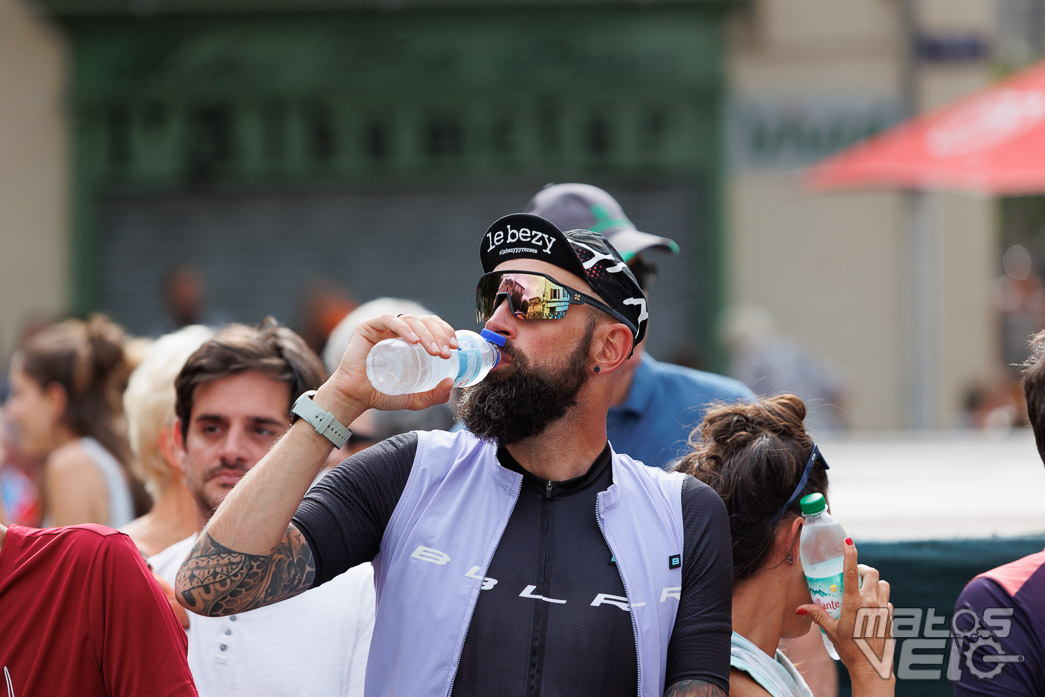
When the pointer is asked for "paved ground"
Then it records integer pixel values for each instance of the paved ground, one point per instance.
(892, 487)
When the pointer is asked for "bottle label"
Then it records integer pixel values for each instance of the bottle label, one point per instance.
(469, 361)
(827, 593)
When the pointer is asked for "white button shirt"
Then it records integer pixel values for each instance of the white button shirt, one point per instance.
(315, 643)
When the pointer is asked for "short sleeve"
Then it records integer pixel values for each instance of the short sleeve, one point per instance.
(141, 645)
(343, 517)
(699, 647)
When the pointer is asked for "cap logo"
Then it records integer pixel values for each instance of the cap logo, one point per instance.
(579, 251)
(543, 242)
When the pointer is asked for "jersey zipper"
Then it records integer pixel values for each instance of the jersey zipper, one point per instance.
(471, 613)
(631, 612)
(541, 609)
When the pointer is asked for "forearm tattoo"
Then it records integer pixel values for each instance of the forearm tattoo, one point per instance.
(694, 688)
(215, 580)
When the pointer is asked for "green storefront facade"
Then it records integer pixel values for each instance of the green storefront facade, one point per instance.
(372, 143)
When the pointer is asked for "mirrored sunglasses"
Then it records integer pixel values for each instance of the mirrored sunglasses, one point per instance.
(531, 295)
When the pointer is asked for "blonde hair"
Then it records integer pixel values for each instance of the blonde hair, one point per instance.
(149, 402)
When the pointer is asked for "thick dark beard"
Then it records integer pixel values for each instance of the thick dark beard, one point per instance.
(512, 405)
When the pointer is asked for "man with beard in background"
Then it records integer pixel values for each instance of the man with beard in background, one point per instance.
(522, 556)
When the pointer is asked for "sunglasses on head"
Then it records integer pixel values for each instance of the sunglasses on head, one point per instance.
(814, 457)
(532, 295)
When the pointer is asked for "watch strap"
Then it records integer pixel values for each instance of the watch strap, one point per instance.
(320, 419)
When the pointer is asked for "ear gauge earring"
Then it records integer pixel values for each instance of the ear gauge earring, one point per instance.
(595, 369)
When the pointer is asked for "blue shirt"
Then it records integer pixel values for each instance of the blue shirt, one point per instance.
(664, 404)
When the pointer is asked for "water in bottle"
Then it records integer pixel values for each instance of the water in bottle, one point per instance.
(395, 367)
(821, 552)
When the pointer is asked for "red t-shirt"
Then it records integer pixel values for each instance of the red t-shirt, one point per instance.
(81, 617)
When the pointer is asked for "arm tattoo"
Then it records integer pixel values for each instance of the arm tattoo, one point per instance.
(694, 688)
(215, 580)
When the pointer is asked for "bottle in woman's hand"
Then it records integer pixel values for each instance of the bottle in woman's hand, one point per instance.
(822, 558)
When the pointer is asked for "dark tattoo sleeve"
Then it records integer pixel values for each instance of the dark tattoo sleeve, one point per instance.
(694, 688)
(215, 580)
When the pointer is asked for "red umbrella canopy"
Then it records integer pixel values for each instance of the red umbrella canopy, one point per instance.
(992, 142)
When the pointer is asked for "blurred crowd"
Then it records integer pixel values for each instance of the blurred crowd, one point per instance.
(69, 397)
(86, 429)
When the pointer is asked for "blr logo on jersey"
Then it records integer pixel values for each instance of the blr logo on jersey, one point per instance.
(440, 558)
(674, 561)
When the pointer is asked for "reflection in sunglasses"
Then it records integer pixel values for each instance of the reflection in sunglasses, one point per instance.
(532, 295)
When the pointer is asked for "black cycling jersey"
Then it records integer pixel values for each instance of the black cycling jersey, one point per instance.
(552, 618)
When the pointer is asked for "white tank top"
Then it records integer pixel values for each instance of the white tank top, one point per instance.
(121, 506)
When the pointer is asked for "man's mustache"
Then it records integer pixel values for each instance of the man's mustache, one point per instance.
(225, 468)
(509, 350)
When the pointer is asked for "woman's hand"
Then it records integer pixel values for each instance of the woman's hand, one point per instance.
(863, 633)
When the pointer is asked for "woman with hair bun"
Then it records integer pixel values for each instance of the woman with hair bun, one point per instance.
(67, 383)
(761, 461)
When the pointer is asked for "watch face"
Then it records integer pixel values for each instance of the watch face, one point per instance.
(305, 396)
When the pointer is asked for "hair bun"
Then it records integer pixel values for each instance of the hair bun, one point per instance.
(752, 454)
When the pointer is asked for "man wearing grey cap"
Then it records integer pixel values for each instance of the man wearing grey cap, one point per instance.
(522, 556)
(656, 405)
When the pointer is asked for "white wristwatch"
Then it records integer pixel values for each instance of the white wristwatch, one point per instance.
(321, 419)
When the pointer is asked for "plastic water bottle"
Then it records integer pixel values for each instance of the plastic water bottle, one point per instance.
(821, 552)
(395, 367)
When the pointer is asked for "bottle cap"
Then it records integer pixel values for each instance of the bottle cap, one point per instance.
(493, 337)
(812, 504)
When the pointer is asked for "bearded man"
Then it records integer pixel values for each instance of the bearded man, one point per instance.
(520, 557)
